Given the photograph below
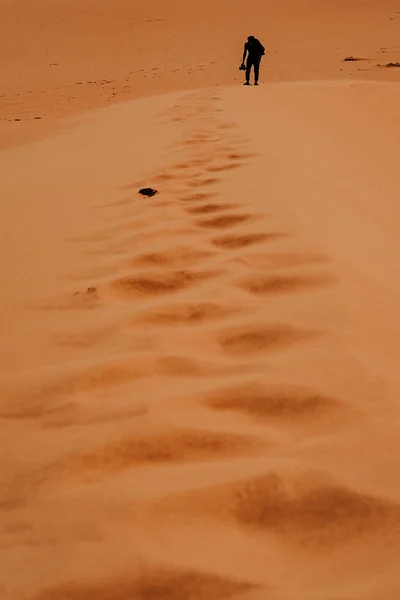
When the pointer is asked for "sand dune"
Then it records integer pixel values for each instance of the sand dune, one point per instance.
(199, 390)
(58, 59)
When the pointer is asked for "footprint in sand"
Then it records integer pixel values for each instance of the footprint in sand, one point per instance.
(199, 197)
(198, 141)
(202, 182)
(310, 513)
(163, 177)
(282, 404)
(209, 208)
(182, 366)
(283, 260)
(225, 167)
(236, 242)
(259, 338)
(223, 221)
(187, 314)
(178, 257)
(195, 162)
(148, 583)
(155, 284)
(155, 448)
(283, 284)
(239, 155)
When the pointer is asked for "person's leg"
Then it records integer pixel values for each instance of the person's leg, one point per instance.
(256, 71)
(248, 69)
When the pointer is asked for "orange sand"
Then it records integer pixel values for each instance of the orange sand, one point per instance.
(199, 391)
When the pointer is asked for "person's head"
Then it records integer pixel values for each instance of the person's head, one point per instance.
(251, 38)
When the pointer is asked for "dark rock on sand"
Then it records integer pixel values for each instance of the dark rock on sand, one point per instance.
(147, 192)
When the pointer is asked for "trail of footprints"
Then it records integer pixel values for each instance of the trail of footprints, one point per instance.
(313, 514)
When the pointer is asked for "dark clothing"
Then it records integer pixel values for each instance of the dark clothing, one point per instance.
(253, 61)
(254, 50)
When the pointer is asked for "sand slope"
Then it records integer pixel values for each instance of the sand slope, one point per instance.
(200, 389)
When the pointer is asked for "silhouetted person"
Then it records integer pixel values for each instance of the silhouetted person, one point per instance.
(254, 50)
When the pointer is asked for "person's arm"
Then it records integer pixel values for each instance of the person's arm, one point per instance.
(244, 54)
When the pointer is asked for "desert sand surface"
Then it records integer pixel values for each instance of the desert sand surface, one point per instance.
(59, 57)
(199, 390)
